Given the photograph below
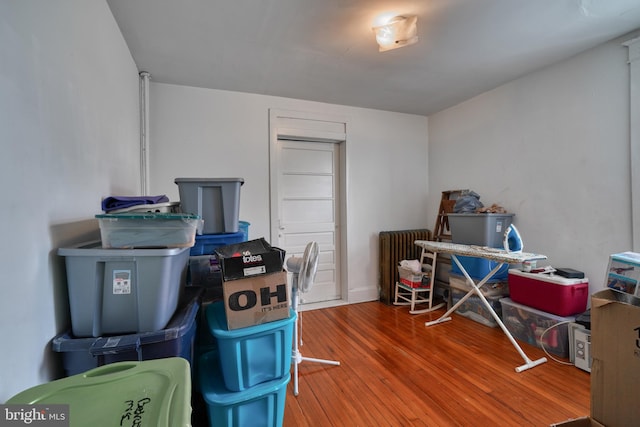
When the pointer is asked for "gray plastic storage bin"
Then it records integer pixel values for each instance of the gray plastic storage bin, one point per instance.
(215, 200)
(119, 291)
(482, 229)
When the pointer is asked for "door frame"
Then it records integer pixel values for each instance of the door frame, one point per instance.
(312, 127)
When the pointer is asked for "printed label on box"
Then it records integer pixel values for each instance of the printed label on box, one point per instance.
(256, 300)
(252, 271)
(623, 272)
(121, 282)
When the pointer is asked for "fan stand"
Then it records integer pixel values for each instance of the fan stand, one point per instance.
(297, 356)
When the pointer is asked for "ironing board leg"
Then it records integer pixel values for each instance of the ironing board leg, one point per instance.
(447, 316)
(475, 289)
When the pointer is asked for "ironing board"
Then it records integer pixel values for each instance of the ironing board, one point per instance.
(501, 257)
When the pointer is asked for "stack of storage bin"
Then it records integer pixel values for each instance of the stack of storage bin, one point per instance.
(244, 376)
(217, 202)
(126, 305)
(541, 307)
(481, 229)
(125, 292)
(176, 339)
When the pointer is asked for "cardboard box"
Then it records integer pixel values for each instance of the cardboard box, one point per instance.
(256, 300)
(615, 350)
(579, 422)
(250, 258)
(623, 272)
(409, 278)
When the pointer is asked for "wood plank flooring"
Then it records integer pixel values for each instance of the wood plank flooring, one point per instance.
(395, 371)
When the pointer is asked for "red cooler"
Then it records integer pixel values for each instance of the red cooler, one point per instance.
(551, 293)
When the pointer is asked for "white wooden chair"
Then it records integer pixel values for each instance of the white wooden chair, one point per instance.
(423, 294)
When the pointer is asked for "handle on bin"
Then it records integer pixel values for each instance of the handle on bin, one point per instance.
(110, 369)
(115, 345)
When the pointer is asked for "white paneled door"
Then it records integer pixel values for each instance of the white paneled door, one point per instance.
(307, 197)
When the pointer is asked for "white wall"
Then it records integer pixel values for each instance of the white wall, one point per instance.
(210, 133)
(69, 136)
(552, 147)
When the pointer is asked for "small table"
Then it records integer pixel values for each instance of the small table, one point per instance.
(500, 256)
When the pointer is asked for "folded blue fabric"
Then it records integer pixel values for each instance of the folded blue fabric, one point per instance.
(112, 203)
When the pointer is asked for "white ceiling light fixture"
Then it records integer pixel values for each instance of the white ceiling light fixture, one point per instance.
(397, 31)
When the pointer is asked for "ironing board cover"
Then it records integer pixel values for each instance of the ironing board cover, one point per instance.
(494, 254)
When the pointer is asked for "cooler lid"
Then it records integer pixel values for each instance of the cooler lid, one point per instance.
(546, 277)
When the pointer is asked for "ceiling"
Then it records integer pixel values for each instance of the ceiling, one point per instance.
(325, 50)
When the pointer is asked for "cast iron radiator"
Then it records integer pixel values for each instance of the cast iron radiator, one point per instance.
(394, 247)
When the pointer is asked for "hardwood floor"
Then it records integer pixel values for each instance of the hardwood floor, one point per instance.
(395, 371)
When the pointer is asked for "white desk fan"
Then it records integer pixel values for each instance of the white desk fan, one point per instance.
(303, 271)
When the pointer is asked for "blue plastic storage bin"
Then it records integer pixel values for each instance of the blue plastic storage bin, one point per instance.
(206, 244)
(252, 355)
(259, 406)
(478, 268)
(176, 340)
(204, 271)
(243, 227)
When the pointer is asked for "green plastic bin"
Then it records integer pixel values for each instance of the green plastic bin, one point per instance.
(153, 393)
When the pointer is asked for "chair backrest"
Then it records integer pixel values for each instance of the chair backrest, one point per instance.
(429, 260)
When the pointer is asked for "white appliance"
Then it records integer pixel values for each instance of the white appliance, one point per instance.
(580, 346)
